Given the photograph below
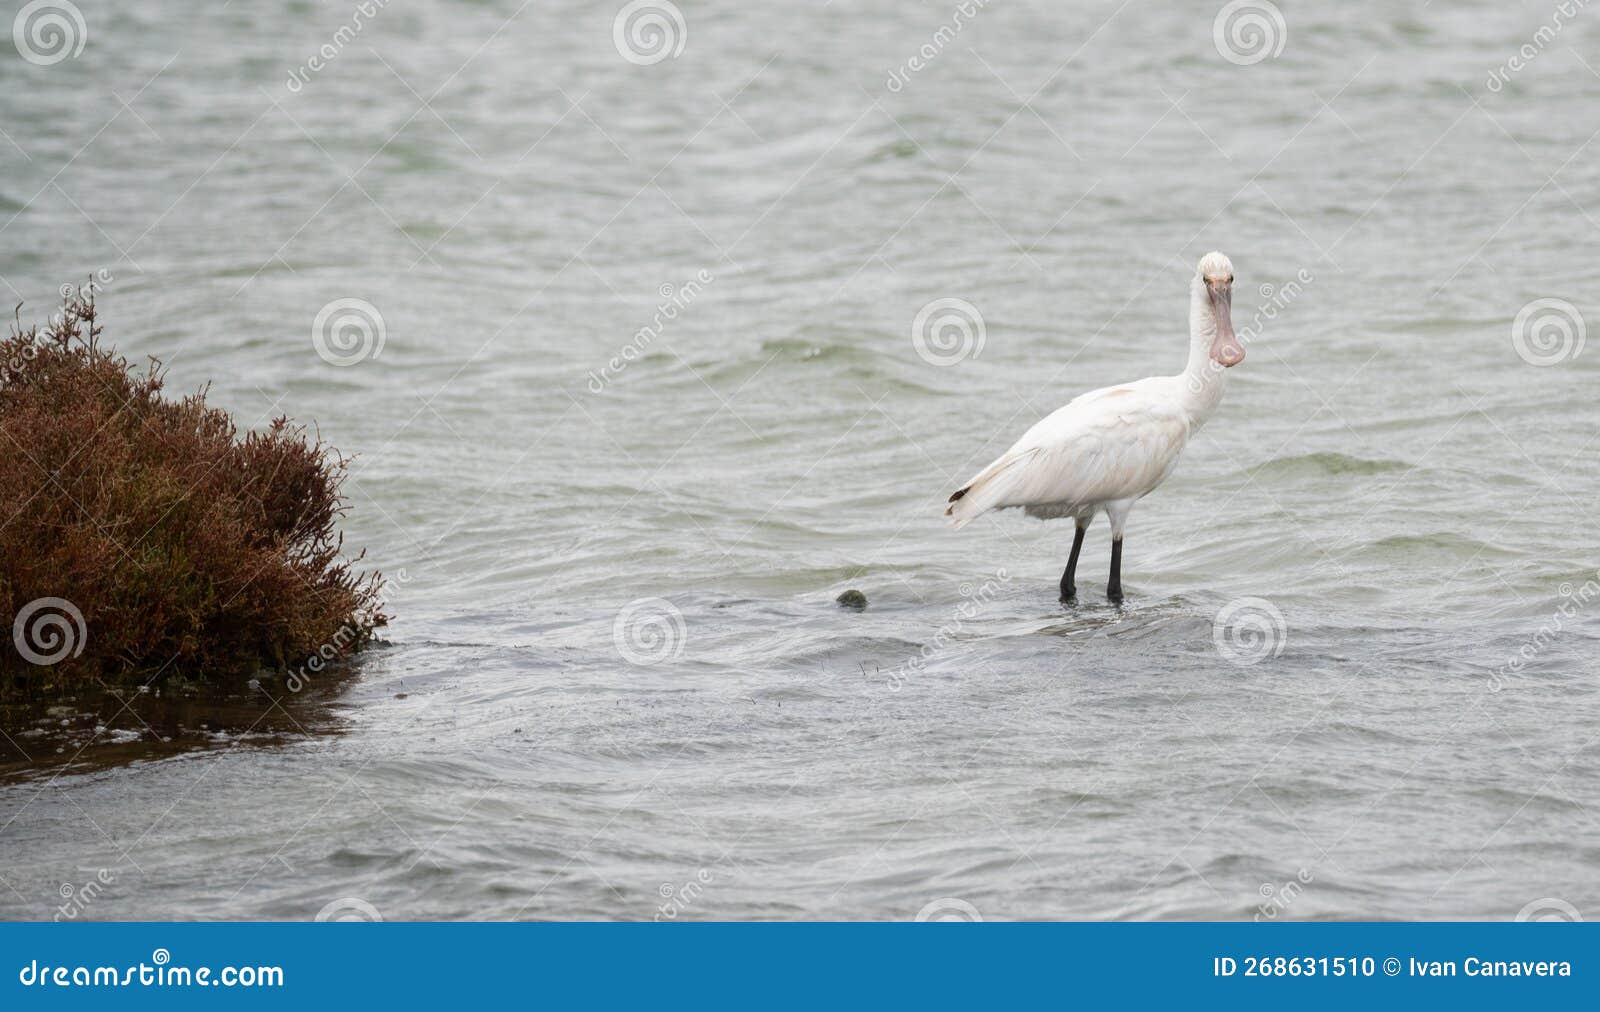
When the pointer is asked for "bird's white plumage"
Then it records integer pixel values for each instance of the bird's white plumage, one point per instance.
(1111, 444)
(1109, 447)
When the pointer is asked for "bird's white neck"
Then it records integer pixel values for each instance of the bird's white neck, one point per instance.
(1203, 380)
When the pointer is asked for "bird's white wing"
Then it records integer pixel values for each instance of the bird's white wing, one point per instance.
(1115, 443)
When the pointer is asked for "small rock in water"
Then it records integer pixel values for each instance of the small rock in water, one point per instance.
(853, 599)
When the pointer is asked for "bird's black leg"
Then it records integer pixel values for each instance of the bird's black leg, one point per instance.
(1114, 588)
(1069, 589)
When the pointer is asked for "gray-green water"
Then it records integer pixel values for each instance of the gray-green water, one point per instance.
(1393, 495)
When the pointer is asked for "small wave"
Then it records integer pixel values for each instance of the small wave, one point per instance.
(1448, 544)
(893, 150)
(803, 349)
(1327, 463)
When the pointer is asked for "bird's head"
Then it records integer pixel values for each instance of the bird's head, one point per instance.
(1214, 274)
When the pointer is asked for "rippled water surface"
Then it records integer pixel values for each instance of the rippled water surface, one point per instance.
(618, 684)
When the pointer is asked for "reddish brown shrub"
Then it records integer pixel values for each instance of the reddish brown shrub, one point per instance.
(187, 548)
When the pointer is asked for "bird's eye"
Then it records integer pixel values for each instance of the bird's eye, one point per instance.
(1230, 279)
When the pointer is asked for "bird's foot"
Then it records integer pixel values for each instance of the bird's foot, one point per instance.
(1069, 593)
(1114, 594)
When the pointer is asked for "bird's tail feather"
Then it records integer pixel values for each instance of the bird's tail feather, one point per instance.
(986, 490)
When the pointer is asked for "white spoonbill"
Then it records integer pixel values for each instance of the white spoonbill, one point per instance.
(1110, 447)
